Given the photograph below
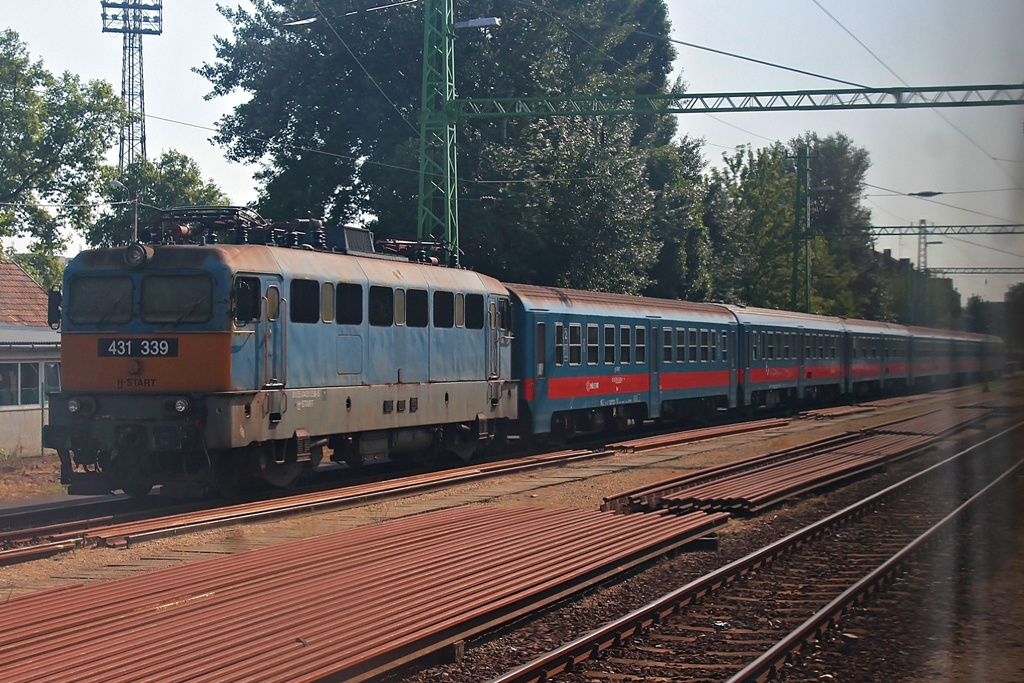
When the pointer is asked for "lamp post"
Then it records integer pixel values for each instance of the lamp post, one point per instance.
(135, 207)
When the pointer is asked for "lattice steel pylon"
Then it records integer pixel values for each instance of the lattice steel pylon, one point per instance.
(134, 19)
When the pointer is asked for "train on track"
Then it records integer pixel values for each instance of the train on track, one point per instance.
(222, 350)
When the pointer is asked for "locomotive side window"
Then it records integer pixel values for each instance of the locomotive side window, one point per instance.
(399, 306)
(559, 344)
(444, 309)
(245, 300)
(98, 300)
(273, 303)
(575, 344)
(176, 299)
(327, 302)
(609, 345)
(382, 306)
(593, 350)
(460, 310)
(349, 304)
(624, 345)
(475, 311)
(416, 302)
(505, 314)
(641, 345)
(304, 301)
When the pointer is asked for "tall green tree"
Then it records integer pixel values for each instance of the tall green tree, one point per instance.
(54, 132)
(173, 180)
(749, 213)
(334, 118)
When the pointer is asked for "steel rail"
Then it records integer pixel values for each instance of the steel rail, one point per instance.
(771, 662)
(566, 657)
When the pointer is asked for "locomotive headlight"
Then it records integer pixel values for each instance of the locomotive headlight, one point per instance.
(81, 405)
(182, 406)
(136, 255)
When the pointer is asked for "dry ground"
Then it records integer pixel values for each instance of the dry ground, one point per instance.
(29, 477)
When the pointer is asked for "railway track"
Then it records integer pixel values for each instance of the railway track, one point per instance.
(747, 620)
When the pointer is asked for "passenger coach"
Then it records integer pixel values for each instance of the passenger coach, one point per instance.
(590, 360)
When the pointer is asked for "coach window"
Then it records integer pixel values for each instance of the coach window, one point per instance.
(559, 344)
(807, 346)
(692, 346)
(714, 346)
(593, 348)
(475, 311)
(444, 309)
(624, 345)
(704, 346)
(752, 344)
(666, 347)
(327, 302)
(680, 344)
(349, 304)
(770, 355)
(832, 346)
(575, 344)
(245, 300)
(641, 345)
(382, 306)
(726, 344)
(273, 303)
(417, 314)
(609, 344)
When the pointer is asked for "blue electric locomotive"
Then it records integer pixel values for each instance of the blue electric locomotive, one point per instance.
(191, 365)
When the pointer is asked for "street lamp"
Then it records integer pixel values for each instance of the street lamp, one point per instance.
(135, 207)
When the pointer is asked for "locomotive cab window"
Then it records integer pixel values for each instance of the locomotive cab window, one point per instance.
(245, 300)
(176, 299)
(304, 301)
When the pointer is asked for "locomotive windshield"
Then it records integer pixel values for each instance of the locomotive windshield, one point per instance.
(165, 299)
(176, 299)
(99, 300)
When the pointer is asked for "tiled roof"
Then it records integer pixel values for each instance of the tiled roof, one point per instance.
(22, 301)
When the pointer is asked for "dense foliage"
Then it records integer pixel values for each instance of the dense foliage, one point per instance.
(54, 132)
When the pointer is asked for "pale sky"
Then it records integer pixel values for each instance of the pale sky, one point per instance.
(975, 156)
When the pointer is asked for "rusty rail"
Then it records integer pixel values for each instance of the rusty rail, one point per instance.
(590, 645)
(692, 435)
(344, 606)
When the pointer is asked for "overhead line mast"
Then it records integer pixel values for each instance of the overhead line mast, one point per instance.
(133, 19)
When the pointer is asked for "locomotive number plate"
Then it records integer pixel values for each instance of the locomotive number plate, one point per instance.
(138, 348)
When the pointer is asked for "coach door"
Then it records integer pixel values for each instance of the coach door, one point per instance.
(801, 372)
(654, 399)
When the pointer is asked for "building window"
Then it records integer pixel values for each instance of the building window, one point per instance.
(19, 382)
